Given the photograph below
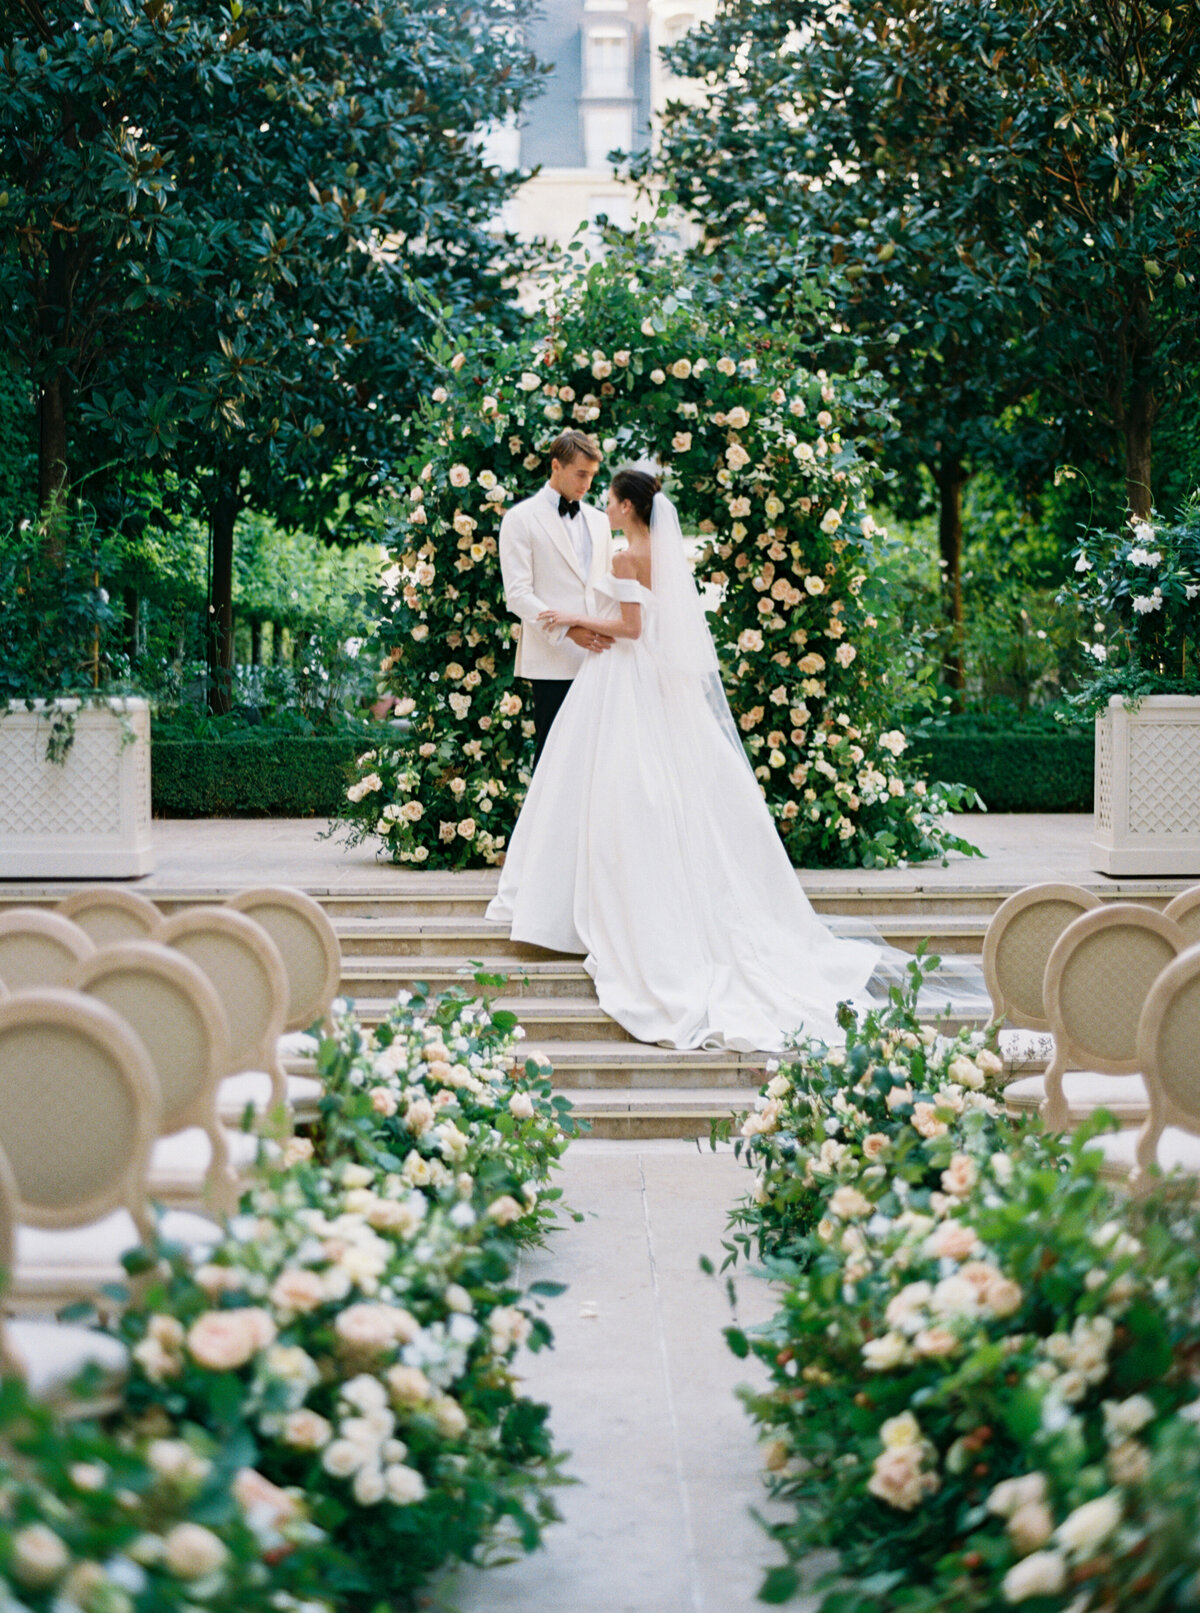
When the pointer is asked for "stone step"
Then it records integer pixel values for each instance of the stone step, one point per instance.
(547, 974)
(368, 938)
(683, 1112)
(891, 892)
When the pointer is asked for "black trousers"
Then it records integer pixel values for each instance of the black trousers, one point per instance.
(548, 696)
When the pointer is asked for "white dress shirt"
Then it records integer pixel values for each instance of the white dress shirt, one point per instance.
(576, 529)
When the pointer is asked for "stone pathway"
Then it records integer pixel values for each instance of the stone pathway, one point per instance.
(641, 1386)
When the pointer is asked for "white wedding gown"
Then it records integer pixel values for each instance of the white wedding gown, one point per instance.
(645, 843)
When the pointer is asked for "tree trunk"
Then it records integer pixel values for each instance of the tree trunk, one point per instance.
(223, 517)
(256, 628)
(1139, 424)
(276, 643)
(951, 479)
(52, 457)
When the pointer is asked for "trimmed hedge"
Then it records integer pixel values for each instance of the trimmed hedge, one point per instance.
(1016, 772)
(277, 777)
(296, 777)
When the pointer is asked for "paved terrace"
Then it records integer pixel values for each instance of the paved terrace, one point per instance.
(228, 854)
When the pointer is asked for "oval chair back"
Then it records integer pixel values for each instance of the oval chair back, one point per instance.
(244, 968)
(1018, 944)
(1168, 1044)
(1097, 980)
(112, 915)
(1185, 910)
(39, 948)
(308, 945)
(79, 1110)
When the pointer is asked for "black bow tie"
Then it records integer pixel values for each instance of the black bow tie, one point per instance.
(568, 506)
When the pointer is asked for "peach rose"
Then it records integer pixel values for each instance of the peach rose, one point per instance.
(225, 1340)
(297, 1290)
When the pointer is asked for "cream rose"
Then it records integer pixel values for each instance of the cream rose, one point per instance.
(39, 1557)
(306, 1430)
(1044, 1573)
(191, 1552)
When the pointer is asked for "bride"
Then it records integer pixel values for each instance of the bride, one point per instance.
(644, 841)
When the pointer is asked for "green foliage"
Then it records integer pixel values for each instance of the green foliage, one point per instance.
(1007, 192)
(255, 302)
(275, 776)
(1143, 587)
(58, 625)
(763, 462)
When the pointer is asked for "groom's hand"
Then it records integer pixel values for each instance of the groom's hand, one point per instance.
(587, 640)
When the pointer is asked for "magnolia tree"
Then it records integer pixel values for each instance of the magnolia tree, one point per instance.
(759, 454)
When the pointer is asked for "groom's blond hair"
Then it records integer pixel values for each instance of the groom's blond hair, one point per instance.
(573, 445)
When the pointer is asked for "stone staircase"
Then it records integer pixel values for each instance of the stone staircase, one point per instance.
(433, 932)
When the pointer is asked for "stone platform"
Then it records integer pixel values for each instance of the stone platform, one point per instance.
(401, 926)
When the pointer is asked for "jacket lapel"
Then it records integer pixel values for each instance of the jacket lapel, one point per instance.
(551, 524)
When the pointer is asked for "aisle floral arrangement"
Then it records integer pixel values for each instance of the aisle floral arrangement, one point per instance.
(898, 1108)
(761, 456)
(981, 1375)
(98, 1523)
(337, 1371)
(442, 1084)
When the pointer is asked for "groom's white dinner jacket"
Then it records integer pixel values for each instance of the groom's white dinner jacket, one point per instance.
(542, 571)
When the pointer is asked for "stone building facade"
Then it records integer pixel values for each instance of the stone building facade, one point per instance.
(608, 81)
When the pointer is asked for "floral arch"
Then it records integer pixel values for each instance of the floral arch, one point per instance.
(759, 455)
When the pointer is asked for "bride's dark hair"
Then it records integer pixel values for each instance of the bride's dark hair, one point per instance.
(639, 487)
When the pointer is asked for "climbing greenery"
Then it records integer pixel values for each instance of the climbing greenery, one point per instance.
(761, 455)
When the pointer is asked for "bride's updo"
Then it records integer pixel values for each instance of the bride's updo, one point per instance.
(639, 487)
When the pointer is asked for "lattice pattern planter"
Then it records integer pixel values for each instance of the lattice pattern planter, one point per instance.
(88, 818)
(1148, 787)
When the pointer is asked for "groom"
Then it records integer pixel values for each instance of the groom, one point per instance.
(554, 549)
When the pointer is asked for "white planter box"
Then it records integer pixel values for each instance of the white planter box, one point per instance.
(1148, 787)
(88, 818)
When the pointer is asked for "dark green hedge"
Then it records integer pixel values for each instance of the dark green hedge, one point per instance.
(294, 777)
(1015, 772)
(279, 777)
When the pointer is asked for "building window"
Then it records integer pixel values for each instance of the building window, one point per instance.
(606, 61)
(502, 145)
(605, 129)
(676, 26)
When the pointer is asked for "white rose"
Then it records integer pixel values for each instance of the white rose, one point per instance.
(520, 1106)
(38, 1556)
(190, 1551)
(1044, 1573)
(368, 1486)
(1084, 1529)
(344, 1457)
(882, 1354)
(403, 1485)
(460, 476)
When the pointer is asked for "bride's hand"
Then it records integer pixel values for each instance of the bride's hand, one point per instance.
(558, 618)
